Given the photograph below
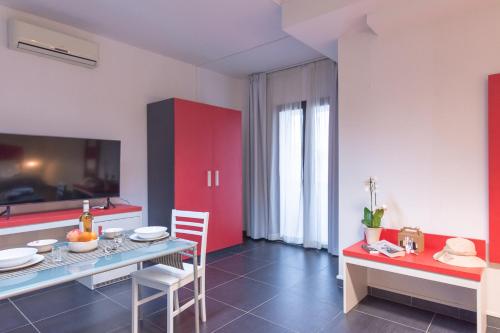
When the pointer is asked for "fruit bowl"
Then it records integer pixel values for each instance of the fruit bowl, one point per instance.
(80, 247)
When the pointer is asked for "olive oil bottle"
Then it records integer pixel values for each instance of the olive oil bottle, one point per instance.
(86, 219)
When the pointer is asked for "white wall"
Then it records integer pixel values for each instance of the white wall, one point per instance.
(47, 97)
(413, 111)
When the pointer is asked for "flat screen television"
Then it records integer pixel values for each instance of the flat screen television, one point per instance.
(46, 169)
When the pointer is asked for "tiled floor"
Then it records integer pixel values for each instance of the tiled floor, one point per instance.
(256, 287)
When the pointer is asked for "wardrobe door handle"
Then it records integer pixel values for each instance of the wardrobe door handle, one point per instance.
(217, 178)
(209, 178)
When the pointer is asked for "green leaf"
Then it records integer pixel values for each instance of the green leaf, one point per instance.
(377, 218)
(368, 218)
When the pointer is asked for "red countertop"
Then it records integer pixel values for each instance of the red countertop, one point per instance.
(423, 261)
(61, 215)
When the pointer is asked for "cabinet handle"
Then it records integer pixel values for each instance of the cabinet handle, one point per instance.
(217, 178)
(209, 178)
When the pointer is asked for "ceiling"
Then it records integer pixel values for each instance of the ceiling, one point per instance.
(236, 38)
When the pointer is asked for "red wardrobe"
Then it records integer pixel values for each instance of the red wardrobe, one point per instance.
(195, 163)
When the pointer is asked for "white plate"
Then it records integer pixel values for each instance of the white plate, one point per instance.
(43, 245)
(16, 257)
(136, 238)
(150, 233)
(35, 260)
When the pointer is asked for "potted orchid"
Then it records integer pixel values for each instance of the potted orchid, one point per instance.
(372, 217)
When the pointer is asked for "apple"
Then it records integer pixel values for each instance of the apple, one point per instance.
(73, 235)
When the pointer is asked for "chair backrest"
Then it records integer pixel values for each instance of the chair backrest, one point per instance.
(192, 223)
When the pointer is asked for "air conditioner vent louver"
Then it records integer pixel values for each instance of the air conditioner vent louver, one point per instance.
(30, 38)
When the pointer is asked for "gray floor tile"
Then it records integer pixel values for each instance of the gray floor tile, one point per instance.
(24, 329)
(243, 293)
(116, 288)
(399, 313)
(280, 276)
(356, 322)
(251, 324)
(436, 307)
(10, 318)
(125, 299)
(273, 252)
(299, 313)
(218, 255)
(145, 326)
(55, 301)
(248, 244)
(322, 287)
(218, 314)
(99, 317)
(215, 277)
(444, 324)
(239, 265)
(313, 261)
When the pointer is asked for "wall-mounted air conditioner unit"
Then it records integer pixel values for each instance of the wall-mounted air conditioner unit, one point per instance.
(31, 38)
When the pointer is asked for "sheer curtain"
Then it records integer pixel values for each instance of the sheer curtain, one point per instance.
(292, 162)
(316, 175)
(291, 125)
(319, 82)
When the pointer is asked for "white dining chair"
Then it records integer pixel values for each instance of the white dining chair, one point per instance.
(169, 279)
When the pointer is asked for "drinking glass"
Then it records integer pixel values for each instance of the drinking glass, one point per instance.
(57, 254)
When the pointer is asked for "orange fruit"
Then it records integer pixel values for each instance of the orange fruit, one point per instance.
(93, 236)
(85, 237)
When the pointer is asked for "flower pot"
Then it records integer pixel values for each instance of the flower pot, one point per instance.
(372, 235)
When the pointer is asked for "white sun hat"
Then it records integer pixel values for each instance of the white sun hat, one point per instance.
(459, 252)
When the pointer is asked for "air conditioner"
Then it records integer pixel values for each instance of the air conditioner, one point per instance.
(45, 42)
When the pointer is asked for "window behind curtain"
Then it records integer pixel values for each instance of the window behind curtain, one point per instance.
(320, 117)
(292, 152)
(291, 128)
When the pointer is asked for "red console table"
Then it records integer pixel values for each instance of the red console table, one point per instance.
(357, 263)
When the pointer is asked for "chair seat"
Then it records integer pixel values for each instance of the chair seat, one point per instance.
(166, 275)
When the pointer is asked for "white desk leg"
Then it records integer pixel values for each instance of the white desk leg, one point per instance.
(355, 285)
(481, 306)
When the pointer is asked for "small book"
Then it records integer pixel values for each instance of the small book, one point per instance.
(389, 249)
(369, 249)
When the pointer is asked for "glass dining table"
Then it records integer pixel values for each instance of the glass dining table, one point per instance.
(32, 281)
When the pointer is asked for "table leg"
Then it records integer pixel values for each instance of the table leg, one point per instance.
(196, 300)
(355, 285)
(481, 321)
(139, 267)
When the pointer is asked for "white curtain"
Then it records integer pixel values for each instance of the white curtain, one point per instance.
(291, 209)
(316, 175)
(296, 171)
(257, 147)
